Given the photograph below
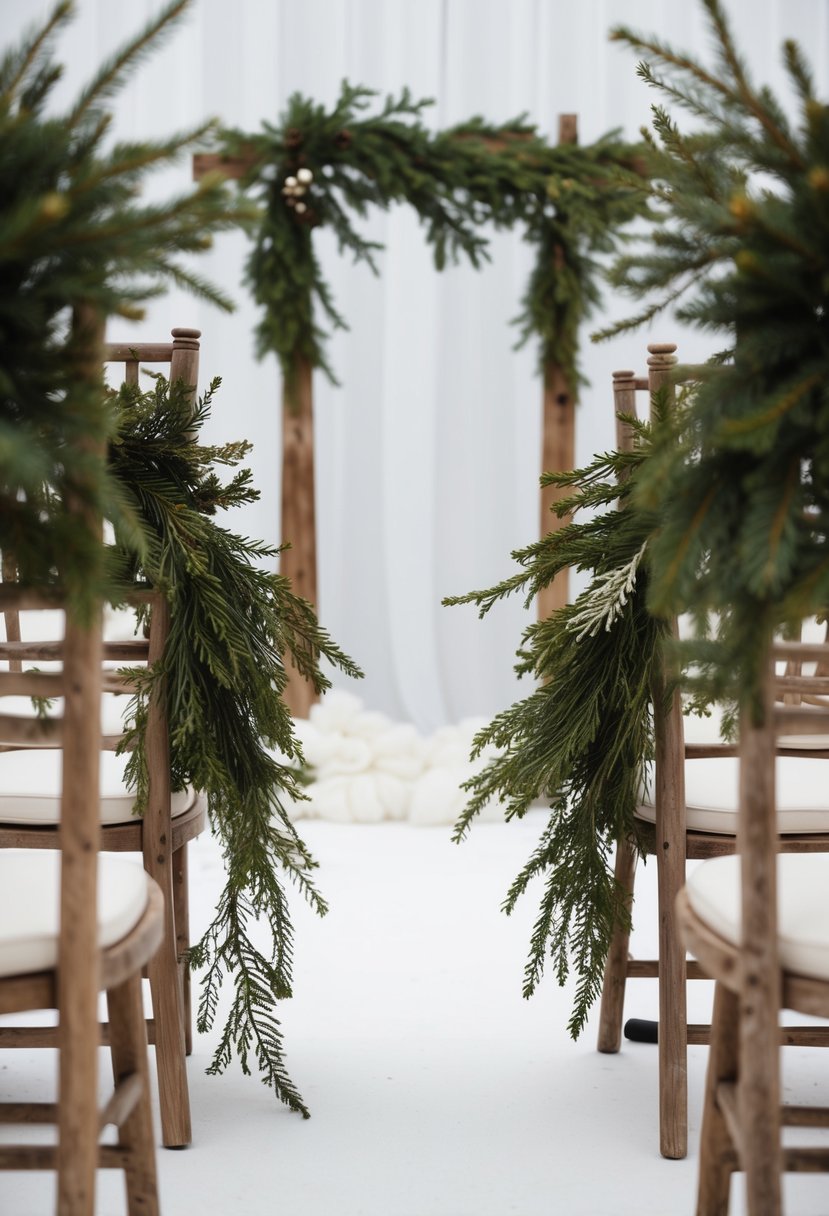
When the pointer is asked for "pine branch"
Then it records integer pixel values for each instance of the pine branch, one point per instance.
(71, 230)
(22, 64)
(740, 476)
(115, 72)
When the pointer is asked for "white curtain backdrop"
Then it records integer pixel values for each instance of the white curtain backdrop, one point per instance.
(428, 454)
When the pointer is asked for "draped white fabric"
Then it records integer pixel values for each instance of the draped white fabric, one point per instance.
(428, 455)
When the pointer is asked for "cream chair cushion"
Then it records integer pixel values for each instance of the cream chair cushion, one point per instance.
(803, 913)
(30, 906)
(708, 730)
(30, 789)
(711, 795)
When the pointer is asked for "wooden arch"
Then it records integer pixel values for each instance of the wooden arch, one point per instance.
(297, 506)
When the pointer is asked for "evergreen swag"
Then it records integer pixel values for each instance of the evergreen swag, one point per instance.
(582, 738)
(316, 167)
(741, 476)
(729, 492)
(72, 231)
(231, 625)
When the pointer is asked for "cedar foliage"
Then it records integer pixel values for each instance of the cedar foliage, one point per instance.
(572, 202)
(729, 495)
(581, 739)
(742, 245)
(72, 229)
(232, 623)
(73, 232)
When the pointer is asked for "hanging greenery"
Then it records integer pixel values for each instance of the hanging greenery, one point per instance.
(232, 623)
(742, 475)
(581, 739)
(727, 503)
(73, 232)
(592, 195)
(318, 168)
(73, 229)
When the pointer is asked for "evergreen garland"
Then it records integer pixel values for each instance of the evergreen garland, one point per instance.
(591, 195)
(582, 738)
(727, 506)
(316, 168)
(231, 625)
(72, 232)
(741, 475)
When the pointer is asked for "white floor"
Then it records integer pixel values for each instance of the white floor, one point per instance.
(435, 1089)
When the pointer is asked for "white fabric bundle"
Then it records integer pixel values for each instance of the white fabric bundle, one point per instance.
(367, 768)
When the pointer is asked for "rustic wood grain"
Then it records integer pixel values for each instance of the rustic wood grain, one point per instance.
(163, 972)
(617, 968)
(298, 510)
(558, 440)
(77, 979)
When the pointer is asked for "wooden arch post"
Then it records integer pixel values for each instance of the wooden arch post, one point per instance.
(297, 506)
(298, 514)
(558, 444)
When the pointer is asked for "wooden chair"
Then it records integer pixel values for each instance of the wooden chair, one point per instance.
(691, 814)
(758, 923)
(29, 807)
(72, 925)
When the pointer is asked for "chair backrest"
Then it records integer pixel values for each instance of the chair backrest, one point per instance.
(794, 701)
(79, 682)
(669, 787)
(182, 355)
(662, 376)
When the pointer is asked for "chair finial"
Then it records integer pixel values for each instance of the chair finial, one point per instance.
(187, 338)
(661, 354)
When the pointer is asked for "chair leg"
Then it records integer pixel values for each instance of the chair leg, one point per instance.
(758, 1095)
(129, 1056)
(615, 972)
(717, 1157)
(181, 913)
(77, 1152)
(174, 1098)
(673, 1016)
